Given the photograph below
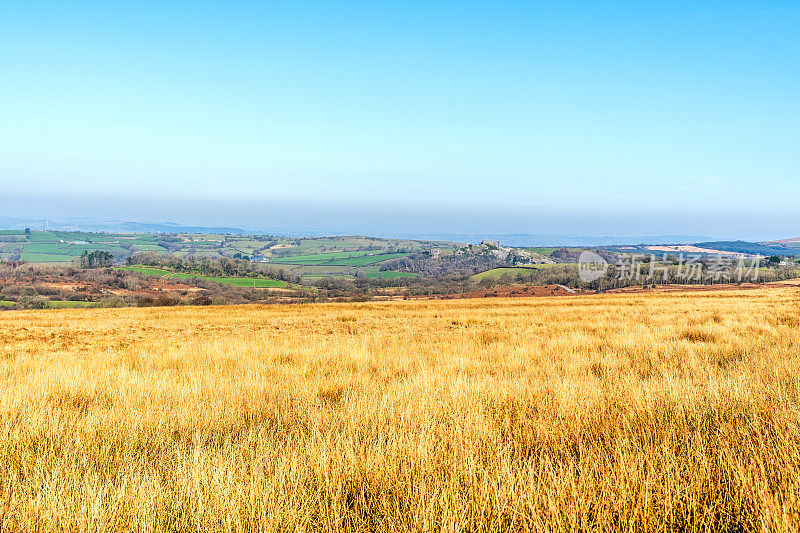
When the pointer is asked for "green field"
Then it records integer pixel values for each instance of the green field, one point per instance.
(44, 236)
(45, 258)
(366, 260)
(362, 258)
(322, 257)
(47, 248)
(90, 237)
(6, 303)
(67, 304)
(325, 257)
(58, 248)
(391, 274)
(258, 283)
(147, 271)
(9, 248)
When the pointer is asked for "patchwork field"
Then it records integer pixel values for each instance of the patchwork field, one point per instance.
(644, 412)
(345, 257)
(321, 257)
(362, 258)
(347, 265)
(65, 246)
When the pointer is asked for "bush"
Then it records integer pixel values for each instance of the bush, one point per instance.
(31, 302)
(131, 283)
(201, 300)
(113, 301)
(160, 301)
(29, 292)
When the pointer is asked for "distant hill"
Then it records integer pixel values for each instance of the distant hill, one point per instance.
(569, 240)
(113, 226)
(793, 241)
(170, 227)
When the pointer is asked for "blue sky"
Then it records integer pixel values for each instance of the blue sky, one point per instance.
(682, 114)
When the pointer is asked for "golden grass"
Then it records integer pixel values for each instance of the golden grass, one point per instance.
(625, 412)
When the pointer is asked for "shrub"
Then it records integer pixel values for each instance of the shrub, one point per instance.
(201, 300)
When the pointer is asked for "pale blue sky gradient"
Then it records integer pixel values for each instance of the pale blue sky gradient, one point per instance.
(678, 109)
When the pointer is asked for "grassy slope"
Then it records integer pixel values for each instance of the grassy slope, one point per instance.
(68, 304)
(45, 258)
(238, 282)
(146, 270)
(322, 256)
(44, 236)
(642, 413)
(391, 274)
(357, 259)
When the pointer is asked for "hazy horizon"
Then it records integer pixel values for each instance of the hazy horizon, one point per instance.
(623, 119)
(298, 218)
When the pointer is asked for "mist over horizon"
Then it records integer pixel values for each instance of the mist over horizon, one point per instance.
(405, 219)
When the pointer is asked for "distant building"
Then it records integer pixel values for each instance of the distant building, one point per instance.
(491, 243)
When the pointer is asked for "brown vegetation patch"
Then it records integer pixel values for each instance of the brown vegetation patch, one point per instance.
(511, 291)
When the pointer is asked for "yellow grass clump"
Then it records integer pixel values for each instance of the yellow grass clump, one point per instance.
(641, 412)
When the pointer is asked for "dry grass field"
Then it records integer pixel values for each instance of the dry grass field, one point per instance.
(647, 412)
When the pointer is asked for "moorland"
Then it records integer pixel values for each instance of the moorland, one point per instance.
(643, 411)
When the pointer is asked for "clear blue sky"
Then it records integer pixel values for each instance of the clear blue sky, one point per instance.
(671, 112)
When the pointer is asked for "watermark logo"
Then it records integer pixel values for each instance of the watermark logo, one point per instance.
(591, 266)
(697, 268)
